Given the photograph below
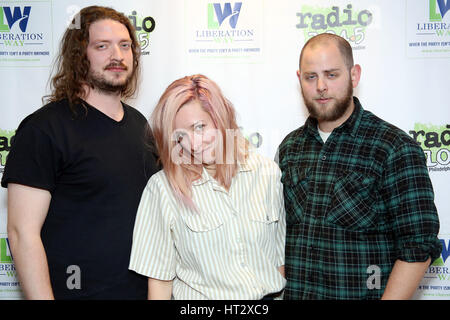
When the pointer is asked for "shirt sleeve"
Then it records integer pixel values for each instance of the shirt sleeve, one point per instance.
(153, 250)
(33, 160)
(409, 197)
(279, 206)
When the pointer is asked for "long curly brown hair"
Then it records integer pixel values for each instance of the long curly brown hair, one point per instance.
(72, 65)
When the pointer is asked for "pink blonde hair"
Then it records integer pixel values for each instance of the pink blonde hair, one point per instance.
(202, 89)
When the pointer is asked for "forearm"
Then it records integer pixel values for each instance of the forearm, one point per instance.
(281, 270)
(31, 264)
(27, 209)
(404, 279)
(281, 295)
(159, 289)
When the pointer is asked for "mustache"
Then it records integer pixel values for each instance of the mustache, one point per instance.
(116, 64)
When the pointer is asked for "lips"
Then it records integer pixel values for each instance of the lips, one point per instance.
(323, 100)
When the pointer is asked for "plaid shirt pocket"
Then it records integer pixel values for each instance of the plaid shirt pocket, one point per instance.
(295, 189)
(352, 204)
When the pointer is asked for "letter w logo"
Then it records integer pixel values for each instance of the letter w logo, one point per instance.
(5, 252)
(445, 250)
(222, 14)
(444, 6)
(16, 15)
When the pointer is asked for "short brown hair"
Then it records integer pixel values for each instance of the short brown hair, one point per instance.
(343, 45)
(72, 65)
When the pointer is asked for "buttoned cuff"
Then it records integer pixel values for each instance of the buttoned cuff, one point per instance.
(420, 251)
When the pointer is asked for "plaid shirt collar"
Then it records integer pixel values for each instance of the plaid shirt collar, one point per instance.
(351, 125)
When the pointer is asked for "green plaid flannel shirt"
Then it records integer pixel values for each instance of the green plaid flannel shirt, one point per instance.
(354, 205)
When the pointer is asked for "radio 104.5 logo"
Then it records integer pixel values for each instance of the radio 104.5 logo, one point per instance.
(6, 138)
(143, 25)
(435, 142)
(346, 21)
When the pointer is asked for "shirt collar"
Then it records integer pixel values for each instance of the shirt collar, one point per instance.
(352, 123)
(206, 177)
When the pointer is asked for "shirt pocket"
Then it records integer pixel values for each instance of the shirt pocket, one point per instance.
(200, 234)
(295, 190)
(202, 222)
(263, 226)
(353, 199)
(264, 216)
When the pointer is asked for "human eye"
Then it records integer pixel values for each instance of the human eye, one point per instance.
(199, 127)
(310, 76)
(332, 74)
(126, 45)
(100, 46)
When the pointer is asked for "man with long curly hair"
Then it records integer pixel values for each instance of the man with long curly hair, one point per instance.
(78, 166)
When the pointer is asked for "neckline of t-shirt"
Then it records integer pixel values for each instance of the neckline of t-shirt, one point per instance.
(106, 117)
(324, 135)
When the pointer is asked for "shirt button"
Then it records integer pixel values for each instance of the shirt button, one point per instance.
(324, 158)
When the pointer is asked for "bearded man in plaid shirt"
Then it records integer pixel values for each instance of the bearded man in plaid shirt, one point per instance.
(361, 219)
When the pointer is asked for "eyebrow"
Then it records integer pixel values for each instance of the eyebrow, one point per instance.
(324, 71)
(332, 70)
(108, 41)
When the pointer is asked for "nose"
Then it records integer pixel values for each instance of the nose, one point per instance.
(321, 84)
(196, 142)
(116, 53)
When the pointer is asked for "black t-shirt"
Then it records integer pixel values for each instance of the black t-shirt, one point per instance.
(95, 169)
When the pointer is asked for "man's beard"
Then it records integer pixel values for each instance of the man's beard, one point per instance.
(99, 82)
(334, 113)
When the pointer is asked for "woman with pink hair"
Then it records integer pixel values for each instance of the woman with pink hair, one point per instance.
(211, 224)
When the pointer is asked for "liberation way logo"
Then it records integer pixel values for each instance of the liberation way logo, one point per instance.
(24, 41)
(428, 28)
(436, 282)
(225, 30)
(8, 273)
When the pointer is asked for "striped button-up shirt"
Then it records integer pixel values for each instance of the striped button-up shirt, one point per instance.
(230, 249)
(354, 205)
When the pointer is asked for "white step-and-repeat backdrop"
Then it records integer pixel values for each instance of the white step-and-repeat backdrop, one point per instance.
(403, 47)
